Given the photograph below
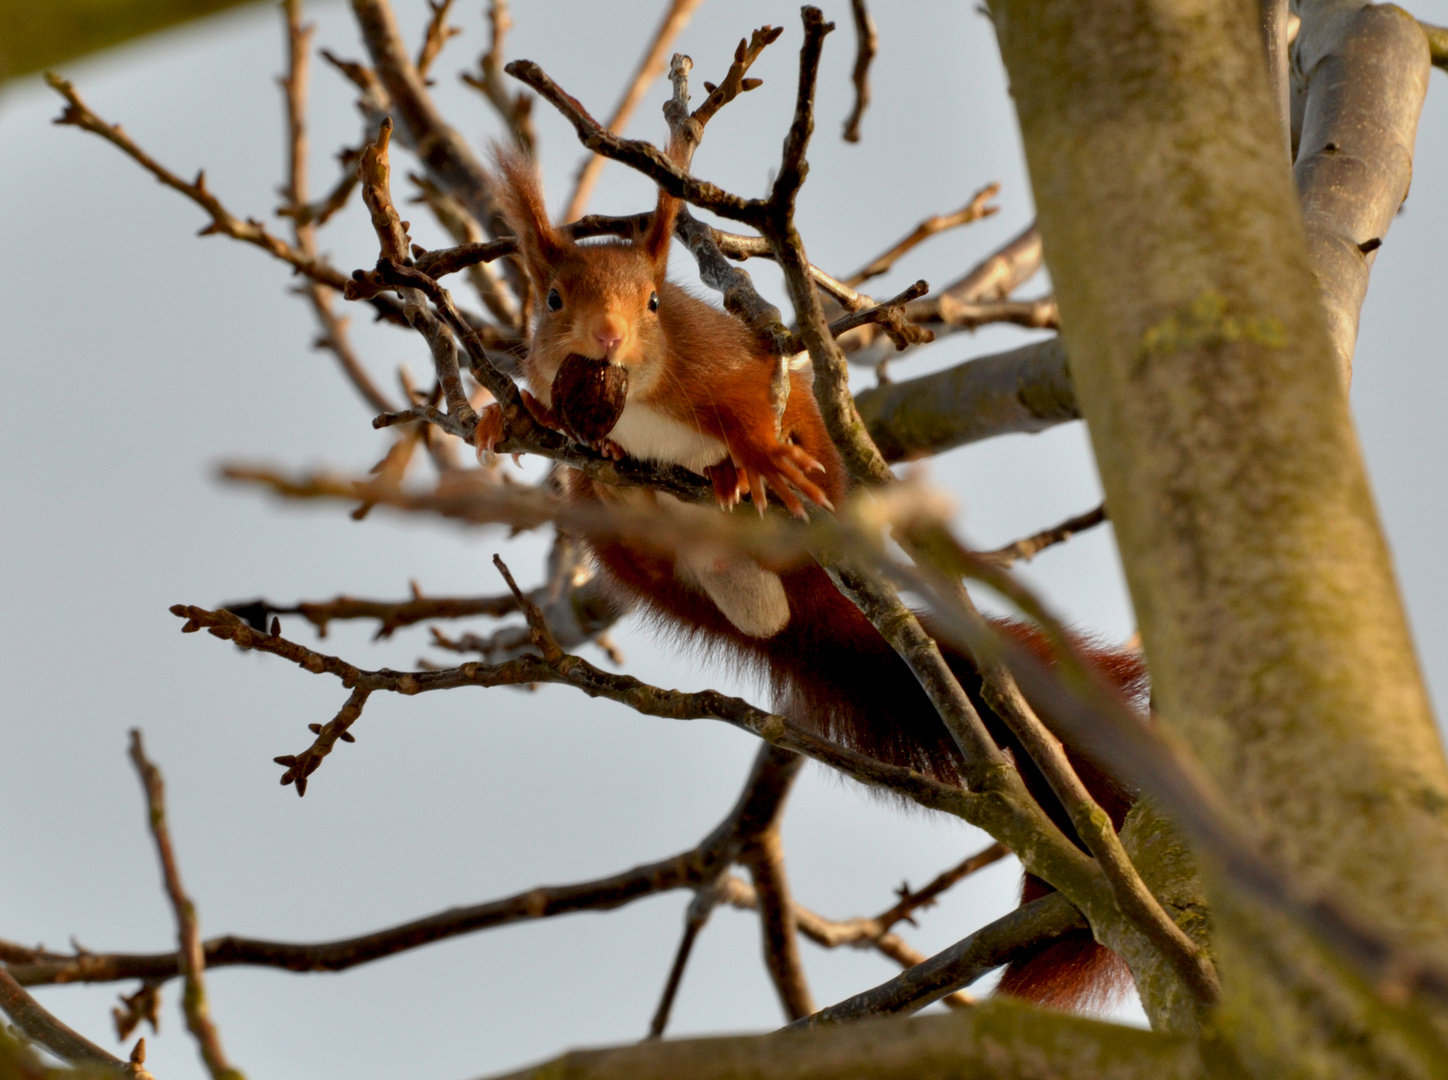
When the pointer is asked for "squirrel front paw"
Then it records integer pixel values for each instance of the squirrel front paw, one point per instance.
(729, 482)
(489, 431)
(784, 467)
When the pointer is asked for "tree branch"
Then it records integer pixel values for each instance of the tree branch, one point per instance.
(925, 983)
(651, 66)
(866, 44)
(194, 1002)
(39, 1026)
(1024, 390)
(999, 1040)
(1360, 77)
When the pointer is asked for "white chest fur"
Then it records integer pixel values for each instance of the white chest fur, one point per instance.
(651, 435)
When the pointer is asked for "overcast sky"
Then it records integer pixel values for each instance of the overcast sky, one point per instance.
(138, 357)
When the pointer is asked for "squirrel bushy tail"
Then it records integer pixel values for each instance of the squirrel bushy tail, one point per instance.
(832, 673)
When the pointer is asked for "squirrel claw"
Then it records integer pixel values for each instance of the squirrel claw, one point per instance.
(610, 449)
(729, 481)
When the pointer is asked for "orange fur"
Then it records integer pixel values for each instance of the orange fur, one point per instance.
(699, 394)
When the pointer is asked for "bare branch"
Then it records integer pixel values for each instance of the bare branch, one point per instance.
(695, 916)
(40, 1027)
(472, 254)
(193, 960)
(960, 965)
(515, 111)
(887, 312)
(866, 44)
(1027, 548)
(974, 210)
(873, 933)
(764, 856)
(577, 672)
(444, 153)
(391, 615)
(687, 128)
(304, 222)
(223, 222)
(768, 784)
(1360, 77)
(1024, 390)
(437, 35)
(651, 66)
(1088, 714)
(1437, 44)
(375, 170)
(1092, 824)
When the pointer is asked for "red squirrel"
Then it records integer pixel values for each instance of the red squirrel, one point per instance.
(698, 395)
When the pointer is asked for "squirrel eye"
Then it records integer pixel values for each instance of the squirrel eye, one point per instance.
(653, 301)
(555, 302)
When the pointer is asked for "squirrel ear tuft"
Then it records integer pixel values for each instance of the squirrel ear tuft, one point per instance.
(520, 198)
(660, 233)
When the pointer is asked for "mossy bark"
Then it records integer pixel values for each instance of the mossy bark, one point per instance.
(1001, 1040)
(1261, 579)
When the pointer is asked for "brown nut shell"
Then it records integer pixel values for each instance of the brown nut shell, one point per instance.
(588, 397)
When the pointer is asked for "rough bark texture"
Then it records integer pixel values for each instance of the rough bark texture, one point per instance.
(1360, 74)
(995, 1041)
(1165, 863)
(1261, 579)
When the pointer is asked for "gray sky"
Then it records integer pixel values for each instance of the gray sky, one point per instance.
(138, 357)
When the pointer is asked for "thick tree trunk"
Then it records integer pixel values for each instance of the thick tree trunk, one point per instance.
(1265, 594)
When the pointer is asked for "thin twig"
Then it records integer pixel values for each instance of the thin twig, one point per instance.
(974, 210)
(960, 965)
(515, 111)
(867, 42)
(193, 959)
(304, 223)
(579, 673)
(391, 615)
(651, 66)
(375, 170)
(1028, 547)
(251, 231)
(695, 916)
(912, 900)
(886, 312)
(437, 35)
(764, 856)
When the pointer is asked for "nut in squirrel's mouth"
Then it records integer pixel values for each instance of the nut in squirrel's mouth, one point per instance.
(589, 394)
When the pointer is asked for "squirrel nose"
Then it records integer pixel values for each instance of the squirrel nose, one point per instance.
(608, 332)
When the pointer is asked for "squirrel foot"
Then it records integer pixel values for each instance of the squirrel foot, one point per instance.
(489, 431)
(610, 449)
(784, 469)
(730, 483)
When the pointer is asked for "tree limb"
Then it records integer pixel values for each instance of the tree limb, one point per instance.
(999, 1040)
(1360, 76)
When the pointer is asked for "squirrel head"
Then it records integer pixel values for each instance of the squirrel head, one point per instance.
(599, 299)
